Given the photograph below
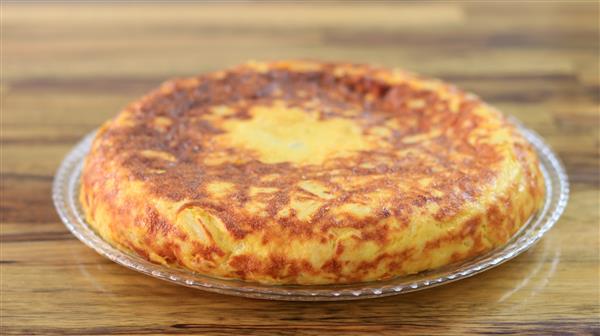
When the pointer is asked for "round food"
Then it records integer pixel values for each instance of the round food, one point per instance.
(299, 172)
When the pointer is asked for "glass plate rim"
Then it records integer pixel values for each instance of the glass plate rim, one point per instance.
(65, 197)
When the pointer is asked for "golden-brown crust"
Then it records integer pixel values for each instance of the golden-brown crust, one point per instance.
(305, 172)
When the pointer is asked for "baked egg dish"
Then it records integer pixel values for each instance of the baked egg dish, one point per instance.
(303, 172)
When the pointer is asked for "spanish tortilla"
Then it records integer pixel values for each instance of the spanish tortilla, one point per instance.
(303, 172)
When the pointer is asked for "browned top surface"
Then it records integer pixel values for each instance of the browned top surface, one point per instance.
(425, 145)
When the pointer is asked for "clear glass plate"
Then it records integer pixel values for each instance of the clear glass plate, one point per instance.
(66, 189)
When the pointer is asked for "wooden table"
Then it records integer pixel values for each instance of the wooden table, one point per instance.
(67, 68)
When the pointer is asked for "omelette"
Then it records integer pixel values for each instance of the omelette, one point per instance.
(305, 172)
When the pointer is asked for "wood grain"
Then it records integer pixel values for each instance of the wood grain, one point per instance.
(68, 67)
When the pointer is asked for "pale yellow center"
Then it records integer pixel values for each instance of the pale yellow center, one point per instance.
(279, 133)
